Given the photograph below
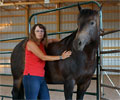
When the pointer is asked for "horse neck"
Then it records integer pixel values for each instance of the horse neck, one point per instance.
(68, 41)
(91, 49)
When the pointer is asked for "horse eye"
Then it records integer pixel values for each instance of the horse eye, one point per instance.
(92, 23)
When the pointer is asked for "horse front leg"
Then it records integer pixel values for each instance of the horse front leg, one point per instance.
(81, 89)
(17, 91)
(68, 89)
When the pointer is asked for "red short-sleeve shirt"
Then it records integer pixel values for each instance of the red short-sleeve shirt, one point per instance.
(34, 65)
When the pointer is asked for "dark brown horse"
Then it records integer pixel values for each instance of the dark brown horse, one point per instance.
(77, 69)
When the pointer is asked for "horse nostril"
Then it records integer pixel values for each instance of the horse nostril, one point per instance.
(80, 43)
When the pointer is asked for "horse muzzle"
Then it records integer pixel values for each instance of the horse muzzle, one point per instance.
(78, 45)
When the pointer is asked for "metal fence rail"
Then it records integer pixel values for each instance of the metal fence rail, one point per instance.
(108, 70)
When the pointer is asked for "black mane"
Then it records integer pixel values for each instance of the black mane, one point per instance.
(65, 44)
(69, 39)
(87, 12)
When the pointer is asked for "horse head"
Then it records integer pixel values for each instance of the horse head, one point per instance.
(88, 28)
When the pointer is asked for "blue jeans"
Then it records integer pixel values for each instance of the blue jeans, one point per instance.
(35, 87)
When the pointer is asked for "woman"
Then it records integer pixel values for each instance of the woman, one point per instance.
(35, 57)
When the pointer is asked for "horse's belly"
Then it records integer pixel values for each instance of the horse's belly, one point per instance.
(53, 73)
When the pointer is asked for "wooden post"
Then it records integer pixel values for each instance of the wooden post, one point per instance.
(58, 20)
(26, 20)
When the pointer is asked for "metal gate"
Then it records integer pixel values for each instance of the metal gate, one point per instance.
(103, 70)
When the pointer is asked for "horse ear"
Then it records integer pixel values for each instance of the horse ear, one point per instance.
(79, 7)
(100, 8)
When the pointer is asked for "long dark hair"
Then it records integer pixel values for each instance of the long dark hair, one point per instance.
(32, 34)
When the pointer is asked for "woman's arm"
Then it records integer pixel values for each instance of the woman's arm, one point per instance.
(31, 46)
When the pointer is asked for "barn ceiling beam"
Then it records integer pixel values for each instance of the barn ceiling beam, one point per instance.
(41, 2)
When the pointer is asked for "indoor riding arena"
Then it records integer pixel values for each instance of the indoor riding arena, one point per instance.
(60, 19)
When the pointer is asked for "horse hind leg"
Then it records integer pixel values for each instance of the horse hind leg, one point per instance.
(18, 91)
(21, 92)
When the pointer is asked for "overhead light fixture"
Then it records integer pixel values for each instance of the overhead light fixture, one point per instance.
(17, 7)
(1, 2)
(46, 1)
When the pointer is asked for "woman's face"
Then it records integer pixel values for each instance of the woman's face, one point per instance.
(39, 33)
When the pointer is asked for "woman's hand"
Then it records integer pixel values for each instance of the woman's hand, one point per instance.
(66, 54)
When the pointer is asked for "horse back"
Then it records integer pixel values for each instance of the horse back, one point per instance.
(17, 60)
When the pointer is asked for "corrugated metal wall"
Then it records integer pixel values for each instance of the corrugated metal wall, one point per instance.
(111, 21)
(11, 26)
